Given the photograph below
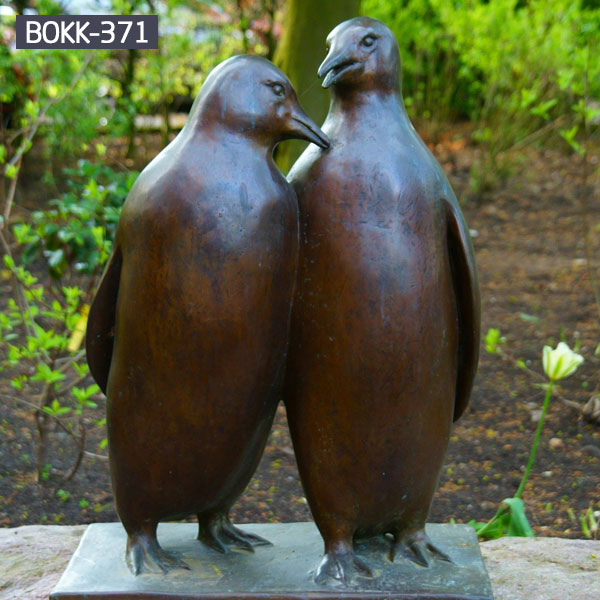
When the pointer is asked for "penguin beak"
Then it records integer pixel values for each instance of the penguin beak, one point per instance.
(301, 126)
(333, 66)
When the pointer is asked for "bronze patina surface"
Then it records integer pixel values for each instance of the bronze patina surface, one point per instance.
(278, 572)
(188, 330)
(385, 327)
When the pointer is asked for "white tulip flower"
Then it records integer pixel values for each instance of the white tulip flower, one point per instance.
(560, 362)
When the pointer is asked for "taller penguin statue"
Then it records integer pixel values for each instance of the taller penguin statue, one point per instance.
(188, 331)
(384, 340)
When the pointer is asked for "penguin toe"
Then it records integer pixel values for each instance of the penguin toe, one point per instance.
(243, 538)
(144, 555)
(341, 567)
(221, 535)
(435, 550)
(209, 533)
(417, 547)
(214, 543)
(362, 567)
(419, 553)
(238, 541)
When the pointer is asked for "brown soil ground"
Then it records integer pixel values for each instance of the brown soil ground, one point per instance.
(535, 288)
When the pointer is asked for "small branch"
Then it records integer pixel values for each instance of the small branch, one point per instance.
(15, 134)
(46, 395)
(35, 407)
(536, 134)
(64, 427)
(69, 360)
(71, 385)
(12, 190)
(98, 456)
(19, 400)
(81, 445)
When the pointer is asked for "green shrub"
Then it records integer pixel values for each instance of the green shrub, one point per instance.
(513, 67)
(75, 234)
(43, 324)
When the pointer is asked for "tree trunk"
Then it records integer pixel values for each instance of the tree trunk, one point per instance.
(299, 54)
(126, 94)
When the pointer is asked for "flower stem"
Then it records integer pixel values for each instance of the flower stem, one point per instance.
(536, 441)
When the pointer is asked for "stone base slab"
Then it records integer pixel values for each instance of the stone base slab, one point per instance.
(282, 571)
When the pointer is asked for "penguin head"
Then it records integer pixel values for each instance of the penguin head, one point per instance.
(362, 54)
(251, 96)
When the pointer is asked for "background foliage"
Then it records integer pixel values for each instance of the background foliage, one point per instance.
(514, 68)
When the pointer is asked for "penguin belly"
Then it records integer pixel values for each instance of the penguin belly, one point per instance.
(192, 397)
(373, 346)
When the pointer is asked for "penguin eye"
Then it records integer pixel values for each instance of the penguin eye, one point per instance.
(278, 89)
(368, 40)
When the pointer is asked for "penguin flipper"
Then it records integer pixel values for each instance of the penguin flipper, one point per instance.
(99, 337)
(468, 303)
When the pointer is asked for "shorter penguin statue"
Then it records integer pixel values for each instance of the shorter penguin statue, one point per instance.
(188, 331)
(384, 340)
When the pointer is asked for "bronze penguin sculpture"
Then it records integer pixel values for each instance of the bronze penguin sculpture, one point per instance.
(188, 331)
(384, 340)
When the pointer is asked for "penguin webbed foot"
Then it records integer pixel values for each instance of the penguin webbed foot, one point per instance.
(220, 534)
(144, 555)
(342, 566)
(417, 547)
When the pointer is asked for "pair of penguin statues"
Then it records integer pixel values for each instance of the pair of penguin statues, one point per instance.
(349, 290)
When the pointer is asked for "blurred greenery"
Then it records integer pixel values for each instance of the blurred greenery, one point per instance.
(77, 229)
(514, 68)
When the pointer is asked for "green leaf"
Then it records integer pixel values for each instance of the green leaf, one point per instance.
(569, 134)
(541, 110)
(584, 527)
(510, 520)
(23, 234)
(493, 339)
(518, 524)
(56, 258)
(80, 368)
(11, 171)
(9, 263)
(528, 318)
(98, 234)
(18, 382)
(491, 530)
(46, 374)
